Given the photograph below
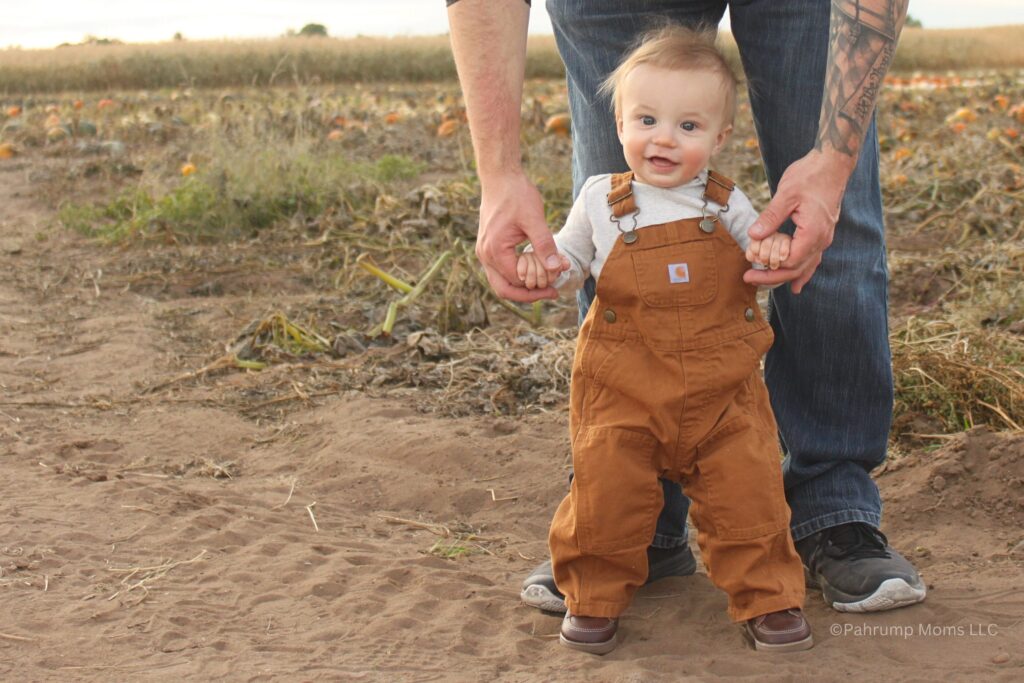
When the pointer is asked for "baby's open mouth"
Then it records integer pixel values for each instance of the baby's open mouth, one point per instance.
(661, 162)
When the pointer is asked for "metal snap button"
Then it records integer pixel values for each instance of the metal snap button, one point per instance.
(609, 315)
(749, 315)
(629, 237)
(708, 225)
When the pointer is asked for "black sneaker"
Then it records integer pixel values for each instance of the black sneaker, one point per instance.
(857, 571)
(539, 589)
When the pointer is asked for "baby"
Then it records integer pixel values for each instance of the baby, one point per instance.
(666, 377)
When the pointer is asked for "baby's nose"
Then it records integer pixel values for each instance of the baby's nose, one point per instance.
(665, 138)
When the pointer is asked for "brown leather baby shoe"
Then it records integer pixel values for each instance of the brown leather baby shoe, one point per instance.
(595, 635)
(783, 631)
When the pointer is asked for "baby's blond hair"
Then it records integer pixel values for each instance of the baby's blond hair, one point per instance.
(674, 46)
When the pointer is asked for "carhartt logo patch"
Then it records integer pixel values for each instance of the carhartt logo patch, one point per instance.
(678, 272)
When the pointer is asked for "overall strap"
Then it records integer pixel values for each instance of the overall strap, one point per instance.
(621, 197)
(718, 188)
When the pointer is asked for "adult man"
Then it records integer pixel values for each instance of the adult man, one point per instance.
(814, 70)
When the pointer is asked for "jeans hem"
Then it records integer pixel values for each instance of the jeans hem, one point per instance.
(821, 522)
(666, 541)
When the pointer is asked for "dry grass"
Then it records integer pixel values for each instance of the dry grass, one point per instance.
(219, 64)
(950, 378)
(996, 47)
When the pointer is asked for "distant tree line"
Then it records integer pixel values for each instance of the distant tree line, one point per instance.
(309, 30)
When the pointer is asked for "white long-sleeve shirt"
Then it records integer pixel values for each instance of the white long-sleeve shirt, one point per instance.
(589, 234)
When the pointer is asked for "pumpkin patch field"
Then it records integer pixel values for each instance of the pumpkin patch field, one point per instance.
(262, 419)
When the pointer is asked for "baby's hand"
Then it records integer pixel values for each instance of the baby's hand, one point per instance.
(534, 275)
(770, 252)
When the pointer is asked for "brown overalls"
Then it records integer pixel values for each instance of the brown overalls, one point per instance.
(666, 383)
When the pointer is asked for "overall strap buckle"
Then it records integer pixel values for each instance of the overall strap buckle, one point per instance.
(718, 190)
(622, 202)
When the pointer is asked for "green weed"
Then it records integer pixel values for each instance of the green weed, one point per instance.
(451, 549)
(391, 167)
(243, 192)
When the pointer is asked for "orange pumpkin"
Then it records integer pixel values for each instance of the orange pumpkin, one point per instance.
(392, 117)
(559, 124)
(188, 169)
(962, 114)
(105, 104)
(7, 150)
(335, 135)
(14, 111)
(447, 128)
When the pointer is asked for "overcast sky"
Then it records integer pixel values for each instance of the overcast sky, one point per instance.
(33, 25)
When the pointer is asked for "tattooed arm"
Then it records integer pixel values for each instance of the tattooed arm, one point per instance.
(489, 44)
(862, 42)
(861, 47)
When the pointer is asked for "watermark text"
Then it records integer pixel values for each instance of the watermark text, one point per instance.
(906, 631)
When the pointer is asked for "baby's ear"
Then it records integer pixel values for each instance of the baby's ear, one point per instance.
(723, 135)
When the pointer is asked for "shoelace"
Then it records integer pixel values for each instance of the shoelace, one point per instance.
(856, 541)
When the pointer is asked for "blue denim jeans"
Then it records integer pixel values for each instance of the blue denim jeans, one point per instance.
(829, 372)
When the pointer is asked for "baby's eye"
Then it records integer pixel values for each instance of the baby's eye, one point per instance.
(688, 125)
(647, 120)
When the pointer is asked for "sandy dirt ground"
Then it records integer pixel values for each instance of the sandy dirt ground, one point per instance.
(169, 535)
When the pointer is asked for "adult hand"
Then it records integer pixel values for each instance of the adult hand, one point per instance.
(512, 210)
(809, 193)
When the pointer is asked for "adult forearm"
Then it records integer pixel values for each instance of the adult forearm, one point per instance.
(862, 43)
(489, 44)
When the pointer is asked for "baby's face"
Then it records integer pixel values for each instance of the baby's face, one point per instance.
(671, 122)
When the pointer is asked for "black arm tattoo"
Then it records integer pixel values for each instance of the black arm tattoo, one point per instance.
(862, 42)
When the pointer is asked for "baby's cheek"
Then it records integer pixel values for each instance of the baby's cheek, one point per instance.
(695, 155)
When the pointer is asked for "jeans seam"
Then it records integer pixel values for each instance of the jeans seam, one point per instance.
(827, 521)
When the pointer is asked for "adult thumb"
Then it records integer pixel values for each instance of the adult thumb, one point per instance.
(771, 218)
(544, 246)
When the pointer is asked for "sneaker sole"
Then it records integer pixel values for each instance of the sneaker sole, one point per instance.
(590, 648)
(891, 594)
(541, 598)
